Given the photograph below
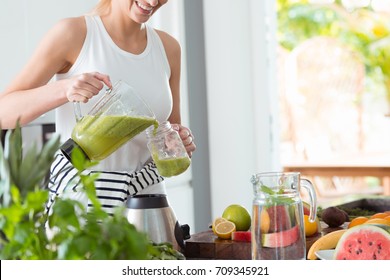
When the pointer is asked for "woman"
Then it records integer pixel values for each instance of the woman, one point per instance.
(84, 55)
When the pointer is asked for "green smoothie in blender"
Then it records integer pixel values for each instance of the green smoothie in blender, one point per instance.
(99, 136)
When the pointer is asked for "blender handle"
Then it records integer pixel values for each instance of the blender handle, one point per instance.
(77, 108)
(77, 111)
(313, 198)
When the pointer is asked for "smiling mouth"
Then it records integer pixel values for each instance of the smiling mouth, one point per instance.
(146, 9)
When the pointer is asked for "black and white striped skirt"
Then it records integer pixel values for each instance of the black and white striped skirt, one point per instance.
(112, 188)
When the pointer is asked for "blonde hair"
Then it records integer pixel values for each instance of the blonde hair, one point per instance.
(102, 7)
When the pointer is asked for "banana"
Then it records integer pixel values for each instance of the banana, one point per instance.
(328, 241)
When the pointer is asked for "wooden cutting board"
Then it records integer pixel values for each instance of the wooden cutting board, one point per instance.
(206, 245)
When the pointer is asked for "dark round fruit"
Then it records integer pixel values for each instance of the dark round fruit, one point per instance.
(346, 215)
(333, 217)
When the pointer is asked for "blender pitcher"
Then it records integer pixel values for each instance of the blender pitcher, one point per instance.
(115, 119)
(277, 225)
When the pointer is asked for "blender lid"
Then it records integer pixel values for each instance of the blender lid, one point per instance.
(147, 201)
(68, 147)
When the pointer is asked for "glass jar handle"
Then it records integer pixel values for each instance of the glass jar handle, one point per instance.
(313, 198)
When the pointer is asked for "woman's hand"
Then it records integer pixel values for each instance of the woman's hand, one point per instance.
(85, 86)
(187, 138)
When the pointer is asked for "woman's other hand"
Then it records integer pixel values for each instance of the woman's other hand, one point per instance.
(85, 86)
(187, 138)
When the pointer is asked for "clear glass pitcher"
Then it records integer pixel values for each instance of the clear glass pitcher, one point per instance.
(277, 220)
(118, 116)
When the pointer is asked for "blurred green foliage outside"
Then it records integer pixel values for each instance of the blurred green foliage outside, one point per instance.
(362, 29)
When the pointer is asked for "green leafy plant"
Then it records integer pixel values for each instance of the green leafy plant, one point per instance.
(26, 171)
(74, 233)
(22, 198)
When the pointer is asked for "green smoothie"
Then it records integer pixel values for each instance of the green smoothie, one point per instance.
(100, 136)
(171, 166)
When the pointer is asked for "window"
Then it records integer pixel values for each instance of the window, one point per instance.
(334, 77)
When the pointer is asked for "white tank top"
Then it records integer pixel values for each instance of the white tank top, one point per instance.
(148, 73)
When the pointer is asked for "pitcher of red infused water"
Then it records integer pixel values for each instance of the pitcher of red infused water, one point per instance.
(118, 116)
(277, 220)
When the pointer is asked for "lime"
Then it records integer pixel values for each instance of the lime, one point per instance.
(238, 215)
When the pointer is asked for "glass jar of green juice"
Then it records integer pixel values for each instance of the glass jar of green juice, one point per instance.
(167, 149)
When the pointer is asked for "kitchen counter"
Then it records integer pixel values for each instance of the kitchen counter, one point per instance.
(206, 245)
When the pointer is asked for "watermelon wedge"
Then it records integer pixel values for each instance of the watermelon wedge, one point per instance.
(364, 242)
(280, 218)
(242, 236)
(281, 239)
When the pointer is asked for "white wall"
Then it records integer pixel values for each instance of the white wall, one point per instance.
(240, 98)
(23, 23)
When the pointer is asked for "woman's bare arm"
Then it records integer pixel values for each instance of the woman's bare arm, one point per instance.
(30, 95)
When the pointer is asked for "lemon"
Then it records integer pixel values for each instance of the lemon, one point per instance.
(265, 221)
(238, 215)
(216, 222)
(311, 228)
(225, 229)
